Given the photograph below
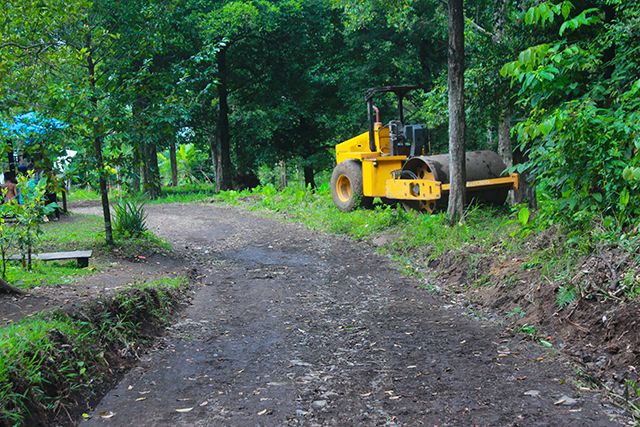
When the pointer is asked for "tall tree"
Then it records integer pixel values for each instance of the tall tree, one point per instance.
(457, 167)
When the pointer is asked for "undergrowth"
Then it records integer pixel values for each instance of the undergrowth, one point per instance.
(50, 360)
(186, 193)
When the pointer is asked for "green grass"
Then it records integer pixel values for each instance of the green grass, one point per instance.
(484, 227)
(46, 274)
(77, 194)
(48, 360)
(186, 193)
(79, 232)
(72, 232)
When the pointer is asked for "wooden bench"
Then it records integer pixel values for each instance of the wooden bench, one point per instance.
(81, 256)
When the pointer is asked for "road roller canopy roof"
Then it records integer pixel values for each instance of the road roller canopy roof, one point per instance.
(400, 91)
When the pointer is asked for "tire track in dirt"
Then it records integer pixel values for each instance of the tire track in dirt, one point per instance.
(294, 327)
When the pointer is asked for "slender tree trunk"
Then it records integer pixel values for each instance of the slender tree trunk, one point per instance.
(457, 167)
(97, 145)
(11, 158)
(223, 172)
(309, 177)
(174, 163)
(4, 263)
(283, 174)
(65, 204)
(213, 145)
(504, 139)
(504, 145)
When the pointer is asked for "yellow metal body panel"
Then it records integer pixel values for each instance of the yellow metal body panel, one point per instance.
(413, 189)
(513, 181)
(375, 172)
(357, 148)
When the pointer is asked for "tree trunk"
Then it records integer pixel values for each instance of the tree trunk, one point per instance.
(174, 163)
(151, 170)
(456, 112)
(213, 145)
(11, 158)
(97, 144)
(223, 170)
(309, 177)
(8, 289)
(65, 204)
(283, 174)
(504, 145)
(137, 166)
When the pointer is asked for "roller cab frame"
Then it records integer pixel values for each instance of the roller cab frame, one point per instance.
(394, 164)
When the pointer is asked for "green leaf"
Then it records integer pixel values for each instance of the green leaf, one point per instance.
(566, 9)
(598, 197)
(624, 197)
(523, 216)
(546, 344)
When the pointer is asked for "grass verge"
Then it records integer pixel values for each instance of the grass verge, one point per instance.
(52, 364)
(187, 193)
(79, 232)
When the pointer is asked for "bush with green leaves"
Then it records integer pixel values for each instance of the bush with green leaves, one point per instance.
(130, 218)
(582, 95)
(29, 214)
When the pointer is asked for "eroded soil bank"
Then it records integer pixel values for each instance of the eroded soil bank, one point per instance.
(298, 327)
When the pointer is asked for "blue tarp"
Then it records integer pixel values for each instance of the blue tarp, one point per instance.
(29, 126)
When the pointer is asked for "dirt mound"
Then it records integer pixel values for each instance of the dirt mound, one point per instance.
(597, 326)
(83, 352)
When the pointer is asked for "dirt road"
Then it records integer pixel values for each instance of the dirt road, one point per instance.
(298, 327)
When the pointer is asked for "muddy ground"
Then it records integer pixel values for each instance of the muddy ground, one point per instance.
(297, 327)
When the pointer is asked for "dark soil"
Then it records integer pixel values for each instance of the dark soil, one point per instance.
(298, 327)
(599, 330)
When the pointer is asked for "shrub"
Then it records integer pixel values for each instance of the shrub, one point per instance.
(130, 218)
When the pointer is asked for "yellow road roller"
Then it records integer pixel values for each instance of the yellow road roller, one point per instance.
(392, 162)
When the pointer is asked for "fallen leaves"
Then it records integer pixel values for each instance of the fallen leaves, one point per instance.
(107, 414)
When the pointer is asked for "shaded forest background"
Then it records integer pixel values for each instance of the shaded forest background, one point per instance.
(171, 92)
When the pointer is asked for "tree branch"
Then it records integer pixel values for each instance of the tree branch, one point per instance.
(24, 47)
(480, 29)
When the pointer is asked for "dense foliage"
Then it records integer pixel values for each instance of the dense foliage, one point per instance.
(185, 91)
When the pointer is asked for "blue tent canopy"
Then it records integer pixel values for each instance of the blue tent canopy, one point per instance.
(30, 126)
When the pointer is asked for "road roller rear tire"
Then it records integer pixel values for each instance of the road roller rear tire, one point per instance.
(346, 187)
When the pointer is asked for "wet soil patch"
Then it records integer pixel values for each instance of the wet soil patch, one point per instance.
(273, 339)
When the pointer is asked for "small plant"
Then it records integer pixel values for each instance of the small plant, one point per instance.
(29, 214)
(130, 218)
(631, 284)
(7, 235)
(516, 312)
(632, 389)
(528, 330)
(566, 295)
